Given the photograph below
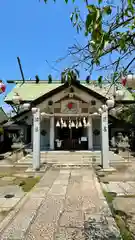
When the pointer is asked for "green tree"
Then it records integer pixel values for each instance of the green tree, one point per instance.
(49, 78)
(110, 29)
(127, 113)
(69, 75)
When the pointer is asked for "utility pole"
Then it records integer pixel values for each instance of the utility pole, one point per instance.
(20, 66)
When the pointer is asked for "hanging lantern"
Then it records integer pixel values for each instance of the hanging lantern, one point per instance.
(100, 110)
(43, 114)
(110, 103)
(124, 81)
(34, 110)
(131, 80)
(2, 87)
(105, 108)
(113, 111)
(26, 106)
(57, 124)
(72, 124)
(80, 124)
(119, 94)
(16, 99)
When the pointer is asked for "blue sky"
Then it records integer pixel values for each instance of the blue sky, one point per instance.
(35, 32)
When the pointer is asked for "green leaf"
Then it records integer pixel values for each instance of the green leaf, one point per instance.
(86, 34)
(129, 2)
(122, 43)
(66, 1)
(99, 1)
(107, 10)
(100, 81)
(92, 8)
(76, 16)
(71, 17)
(88, 22)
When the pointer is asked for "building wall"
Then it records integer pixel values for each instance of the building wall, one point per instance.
(96, 125)
(45, 139)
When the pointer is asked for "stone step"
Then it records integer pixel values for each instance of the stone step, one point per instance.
(65, 156)
(70, 154)
(72, 166)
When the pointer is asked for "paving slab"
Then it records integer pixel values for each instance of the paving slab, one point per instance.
(128, 188)
(10, 203)
(57, 207)
(115, 187)
(69, 233)
(123, 204)
(72, 219)
(2, 200)
(58, 189)
(18, 226)
(61, 181)
(8, 179)
(132, 184)
(33, 203)
(39, 191)
(11, 189)
(45, 223)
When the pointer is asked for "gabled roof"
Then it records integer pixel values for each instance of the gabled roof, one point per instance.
(3, 116)
(31, 91)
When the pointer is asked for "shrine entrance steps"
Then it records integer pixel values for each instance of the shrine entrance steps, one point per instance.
(70, 159)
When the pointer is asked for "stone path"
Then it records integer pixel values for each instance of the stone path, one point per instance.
(121, 188)
(57, 208)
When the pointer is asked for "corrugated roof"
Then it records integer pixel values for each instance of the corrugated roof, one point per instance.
(30, 91)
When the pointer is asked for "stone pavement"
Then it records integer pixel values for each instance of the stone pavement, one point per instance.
(120, 188)
(57, 208)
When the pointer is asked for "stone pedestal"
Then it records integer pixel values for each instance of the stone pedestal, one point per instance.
(36, 139)
(104, 140)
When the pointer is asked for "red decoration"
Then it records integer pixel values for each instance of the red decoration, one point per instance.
(124, 81)
(70, 105)
(2, 87)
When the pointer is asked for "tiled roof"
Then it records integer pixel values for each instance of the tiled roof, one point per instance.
(30, 91)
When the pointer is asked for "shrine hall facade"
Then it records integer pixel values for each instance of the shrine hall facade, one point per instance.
(69, 116)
